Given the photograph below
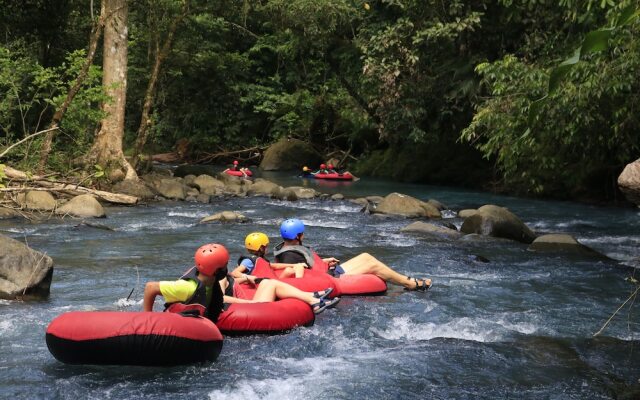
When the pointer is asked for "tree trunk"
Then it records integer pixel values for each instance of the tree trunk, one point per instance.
(107, 146)
(161, 55)
(96, 32)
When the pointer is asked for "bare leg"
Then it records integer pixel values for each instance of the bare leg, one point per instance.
(365, 263)
(271, 289)
(298, 270)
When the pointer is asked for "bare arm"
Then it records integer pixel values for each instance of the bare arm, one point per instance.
(238, 271)
(231, 300)
(151, 290)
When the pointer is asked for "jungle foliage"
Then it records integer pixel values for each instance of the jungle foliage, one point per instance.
(431, 91)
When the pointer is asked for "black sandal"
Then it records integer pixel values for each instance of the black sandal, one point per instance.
(419, 287)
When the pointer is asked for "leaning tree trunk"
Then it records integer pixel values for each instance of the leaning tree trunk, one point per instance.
(161, 55)
(96, 32)
(107, 146)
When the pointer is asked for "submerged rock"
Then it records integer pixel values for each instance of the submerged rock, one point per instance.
(491, 220)
(225, 216)
(24, 273)
(431, 229)
(560, 242)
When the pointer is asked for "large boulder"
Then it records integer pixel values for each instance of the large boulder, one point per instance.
(629, 182)
(263, 187)
(84, 206)
(491, 220)
(407, 206)
(136, 188)
(563, 243)
(225, 216)
(431, 229)
(171, 188)
(37, 200)
(287, 154)
(208, 185)
(24, 273)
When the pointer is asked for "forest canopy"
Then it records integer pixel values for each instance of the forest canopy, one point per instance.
(428, 91)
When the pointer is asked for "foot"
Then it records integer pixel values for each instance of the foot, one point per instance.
(322, 295)
(418, 285)
(324, 304)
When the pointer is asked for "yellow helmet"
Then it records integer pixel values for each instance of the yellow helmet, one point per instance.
(256, 240)
(305, 169)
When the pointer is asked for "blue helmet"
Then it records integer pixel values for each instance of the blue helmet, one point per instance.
(291, 228)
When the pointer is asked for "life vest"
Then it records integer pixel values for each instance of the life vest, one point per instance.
(197, 305)
(252, 257)
(304, 251)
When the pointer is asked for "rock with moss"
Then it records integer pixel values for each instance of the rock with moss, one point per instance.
(431, 229)
(629, 182)
(563, 243)
(289, 154)
(37, 200)
(83, 206)
(491, 220)
(225, 216)
(406, 206)
(24, 273)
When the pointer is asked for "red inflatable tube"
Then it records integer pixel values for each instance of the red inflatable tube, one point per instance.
(132, 338)
(231, 172)
(312, 281)
(334, 176)
(265, 318)
(352, 285)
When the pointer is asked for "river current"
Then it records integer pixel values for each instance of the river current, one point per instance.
(519, 326)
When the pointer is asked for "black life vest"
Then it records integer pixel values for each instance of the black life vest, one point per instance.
(304, 251)
(197, 304)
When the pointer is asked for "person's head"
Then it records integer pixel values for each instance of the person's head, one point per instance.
(330, 166)
(292, 229)
(257, 243)
(305, 168)
(235, 162)
(211, 261)
(323, 166)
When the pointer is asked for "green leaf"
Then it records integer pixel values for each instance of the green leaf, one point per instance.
(628, 15)
(596, 41)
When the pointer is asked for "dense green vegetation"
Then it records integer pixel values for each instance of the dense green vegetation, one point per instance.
(425, 90)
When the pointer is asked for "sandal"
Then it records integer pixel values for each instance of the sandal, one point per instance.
(324, 304)
(419, 287)
(324, 294)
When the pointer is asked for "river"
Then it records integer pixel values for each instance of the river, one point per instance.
(520, 326)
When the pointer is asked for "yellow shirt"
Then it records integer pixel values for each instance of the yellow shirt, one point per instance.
(177, 291)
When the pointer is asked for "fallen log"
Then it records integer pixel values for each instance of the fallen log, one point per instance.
(75, 190)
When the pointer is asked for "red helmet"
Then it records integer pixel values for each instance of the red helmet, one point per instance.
(322, 166)
(330, 166)
(235, 162)
(210, 258)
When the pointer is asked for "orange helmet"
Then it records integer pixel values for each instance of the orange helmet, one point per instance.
(322, 166)
(211, 258)
(235, 162)
(330, 166)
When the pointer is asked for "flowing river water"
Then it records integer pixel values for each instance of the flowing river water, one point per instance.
(518, 326)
